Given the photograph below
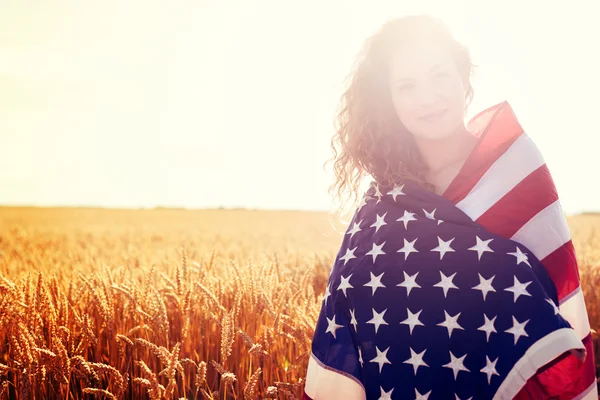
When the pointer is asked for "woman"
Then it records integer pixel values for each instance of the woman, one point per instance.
(456, 278)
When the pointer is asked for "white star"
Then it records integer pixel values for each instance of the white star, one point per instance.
(451, 323)
(360, 359)
(410, 282)
(457, 364)
(488, 327)
(443, 247)
(521, 257)
(412, 320)
(353, 320)
(490, 368)
(375, 282)
(345, 284)
(397, 191)
(385, 395)
(327, 294)
(377, 319)
(485, 285)
(406, 218)
(364, 201)
(430, 215)
(381, 358)
(349, 255)
(416, 359)
(355, 228)
(332, 326)
(481, 247)
(409, 247)
(420, 396)
(458, 398)
(518, 329)
(380, 222)
(556, 310)
(377, 194)
(376, 251)
(446, 283)
(519, 289)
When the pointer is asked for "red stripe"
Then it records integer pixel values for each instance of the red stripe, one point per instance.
(562, 267)
(497, 129)
(508, 214)
(305, 396)
(564, 378)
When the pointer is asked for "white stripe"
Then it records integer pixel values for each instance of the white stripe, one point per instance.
(590, 393)
(518, 162)
(325, 384)
(539, 354)
(545, 232)
(574, 311)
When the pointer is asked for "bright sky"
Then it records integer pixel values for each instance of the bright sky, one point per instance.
(221, 103)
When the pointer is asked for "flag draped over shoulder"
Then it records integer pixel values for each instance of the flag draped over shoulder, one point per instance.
(429, 298)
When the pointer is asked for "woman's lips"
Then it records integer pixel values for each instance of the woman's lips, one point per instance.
(433, 116)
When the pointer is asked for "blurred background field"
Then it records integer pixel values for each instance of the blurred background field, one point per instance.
(175, 303)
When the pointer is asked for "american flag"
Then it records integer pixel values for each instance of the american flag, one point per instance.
(471, 295)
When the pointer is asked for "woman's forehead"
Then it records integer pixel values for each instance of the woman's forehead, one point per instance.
(418, 58)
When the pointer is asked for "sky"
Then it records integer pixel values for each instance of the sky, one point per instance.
(205, 104)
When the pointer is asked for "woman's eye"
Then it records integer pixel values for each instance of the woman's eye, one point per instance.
(405, 87)
(440, 76)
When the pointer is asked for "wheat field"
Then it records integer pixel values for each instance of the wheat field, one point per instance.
(170, 304)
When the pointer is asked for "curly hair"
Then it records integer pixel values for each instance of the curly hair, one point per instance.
(369, 138)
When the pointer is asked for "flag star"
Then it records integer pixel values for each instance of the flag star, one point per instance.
(446, 283)
(355, 228)
(385, 395)
(457, 364)
(420, 396)
(349, 255)
(345, 284)
(377, 319)
(443, 247)
(485, 285)
(488, 327)
(376, 251)
(518, 329)
(409, 247)
(490, 368)
(410, 282)
(380, 222)
(556, 310)
(332, 326)
(360, 359)
(397, 191)
(451, 323)
(416, 359)
(458, 398)
(412, 320)
(353, 320)
(430, 215)
(364, 201)
(406, 218)
(521, 257)
(519, 289)
(377, 194)
(481, 247)
(381, 358)
(327, 294)
(375, 282)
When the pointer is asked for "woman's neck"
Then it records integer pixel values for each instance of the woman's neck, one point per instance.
(440, 154)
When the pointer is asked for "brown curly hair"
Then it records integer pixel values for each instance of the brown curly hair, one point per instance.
(369, 137)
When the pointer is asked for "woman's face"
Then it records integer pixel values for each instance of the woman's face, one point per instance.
(427, 90)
